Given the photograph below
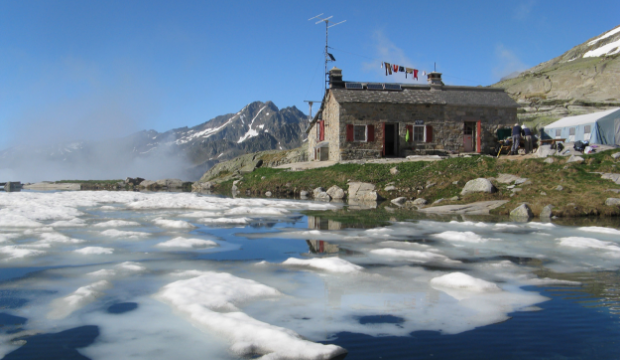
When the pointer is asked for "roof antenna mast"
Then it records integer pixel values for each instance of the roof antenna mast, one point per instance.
(328, 57)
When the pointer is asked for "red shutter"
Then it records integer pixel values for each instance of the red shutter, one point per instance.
(429, 133)
(478, 136)
(349, 132)
(322, 130)
(371, 133)
(410, 130)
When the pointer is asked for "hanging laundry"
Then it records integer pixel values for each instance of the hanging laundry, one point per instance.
(395, 67)
(423, 73)
(401, 68)
(388, 68)
(415, 74)
(407, 136)
(408, 71)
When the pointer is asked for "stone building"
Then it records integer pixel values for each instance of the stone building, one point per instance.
(371, 120)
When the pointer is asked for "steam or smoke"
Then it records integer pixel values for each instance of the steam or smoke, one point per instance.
(76, 126)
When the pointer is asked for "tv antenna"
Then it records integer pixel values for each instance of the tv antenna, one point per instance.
(328, 57)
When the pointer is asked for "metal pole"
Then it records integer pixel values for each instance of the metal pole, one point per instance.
(326, 58)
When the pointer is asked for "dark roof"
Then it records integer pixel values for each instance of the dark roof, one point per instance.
(448, 95)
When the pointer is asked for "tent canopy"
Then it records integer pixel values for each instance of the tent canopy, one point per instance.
(601, 127)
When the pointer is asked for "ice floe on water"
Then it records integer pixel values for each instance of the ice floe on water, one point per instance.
(180, 242)
(330, 264)
(252, 278)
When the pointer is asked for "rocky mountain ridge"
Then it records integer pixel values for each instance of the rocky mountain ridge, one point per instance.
(183, 152)
(584, 79)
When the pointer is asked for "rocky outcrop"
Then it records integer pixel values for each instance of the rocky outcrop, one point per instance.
(612, 202)
(478, 185)
(170, 183)
(521, 213)
(575, 158)
(477, 208)
(361, 191)
(335, 192)
(582, 80)
(547, 212)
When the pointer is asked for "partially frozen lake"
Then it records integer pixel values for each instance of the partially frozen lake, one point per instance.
(115, 275)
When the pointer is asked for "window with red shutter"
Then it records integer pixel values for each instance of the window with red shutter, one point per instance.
(349, 132)
(429, 133)
(371, 133)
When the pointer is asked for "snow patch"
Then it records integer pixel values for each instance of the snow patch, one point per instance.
(331, 264)
(180, 242)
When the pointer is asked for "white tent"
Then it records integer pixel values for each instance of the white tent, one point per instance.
(601, 127)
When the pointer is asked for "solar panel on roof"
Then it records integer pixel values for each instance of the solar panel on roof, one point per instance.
(392, 87)
(353, 86)
(374, 86)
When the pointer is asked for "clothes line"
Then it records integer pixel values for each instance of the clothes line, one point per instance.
(393, 69)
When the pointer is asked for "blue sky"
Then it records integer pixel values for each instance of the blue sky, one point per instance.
(92, 69)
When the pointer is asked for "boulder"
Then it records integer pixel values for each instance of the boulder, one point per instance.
(170, 183)
(507, 178)
(549, 160)
(399, 200)
(394, 171)
(322, 196)
(522, 212)
(559, 188)
(198, 186)
(361, 191)
(611, 176)
(520, 181)
(317, 191)
(430, 185)
(335, 192)
(478, 185)
(251, 166)
(268, 194)
(438, 201)
(303, 193)
(148, 184)
(419, 201)
(546, 212)
(615, 155)
(390, 188)
(574, 158)
(455, 198)
(612, 202)
(544, 151)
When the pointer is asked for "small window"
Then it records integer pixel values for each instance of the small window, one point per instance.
(359, 132)
(418, 133)
(571, 131)
(558, 132)
(587, 129)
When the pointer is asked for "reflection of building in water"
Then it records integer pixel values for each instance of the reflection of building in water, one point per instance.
(318, 223)
(322, 247)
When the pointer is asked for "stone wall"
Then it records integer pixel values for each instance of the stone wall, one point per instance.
(447, 123)
(332, 137)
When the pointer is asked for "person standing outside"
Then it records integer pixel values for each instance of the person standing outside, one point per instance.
(516, 136)
(528, 139)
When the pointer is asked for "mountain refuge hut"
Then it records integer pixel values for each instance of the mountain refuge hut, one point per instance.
(372, 120)
(601, 127)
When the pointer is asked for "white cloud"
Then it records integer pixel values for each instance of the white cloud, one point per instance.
(508, 64)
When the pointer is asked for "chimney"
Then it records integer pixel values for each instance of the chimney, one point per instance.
(434, 80)
(335, 78)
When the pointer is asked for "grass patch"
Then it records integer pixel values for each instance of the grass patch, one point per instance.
(584, 192)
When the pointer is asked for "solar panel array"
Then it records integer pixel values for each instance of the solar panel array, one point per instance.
(396, 87)
(354, 86)
(374, 86)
